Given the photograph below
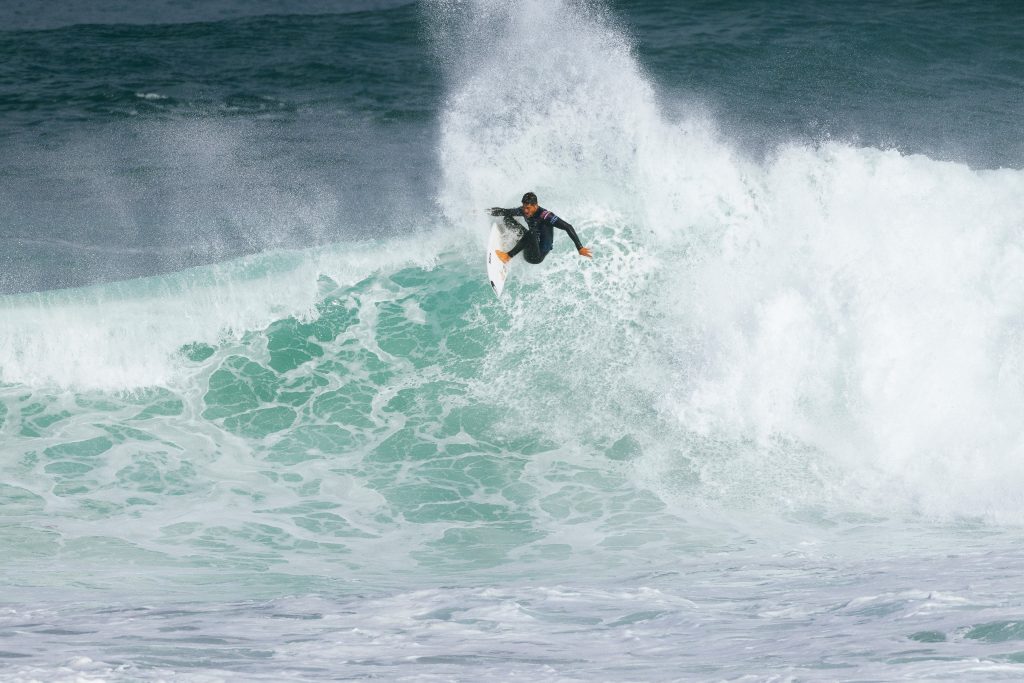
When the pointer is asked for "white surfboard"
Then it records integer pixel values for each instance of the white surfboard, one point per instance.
(497, 272)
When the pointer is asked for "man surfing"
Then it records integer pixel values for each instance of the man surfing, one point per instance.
(537, 241)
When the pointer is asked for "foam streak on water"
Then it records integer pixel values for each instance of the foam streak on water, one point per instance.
(791, 617)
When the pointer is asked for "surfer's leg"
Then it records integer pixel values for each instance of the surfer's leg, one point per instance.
(530, 246)
(533, 256)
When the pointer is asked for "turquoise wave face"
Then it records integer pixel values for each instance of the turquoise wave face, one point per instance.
(413, 478)
(387, 430)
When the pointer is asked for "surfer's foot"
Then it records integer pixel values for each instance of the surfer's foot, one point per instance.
(502, 255)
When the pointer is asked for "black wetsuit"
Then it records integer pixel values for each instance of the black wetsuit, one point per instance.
(537, 241)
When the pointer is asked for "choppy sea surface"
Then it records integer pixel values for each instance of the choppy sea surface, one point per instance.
(261, 417)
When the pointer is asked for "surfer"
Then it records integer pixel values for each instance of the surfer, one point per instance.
(536, 242)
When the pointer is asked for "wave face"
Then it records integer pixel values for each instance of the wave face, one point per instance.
(353, 456)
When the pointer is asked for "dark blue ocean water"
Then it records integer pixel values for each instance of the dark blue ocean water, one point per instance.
(937, 78)
(141, 139)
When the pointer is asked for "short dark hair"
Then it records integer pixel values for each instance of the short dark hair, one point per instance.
(529, 198)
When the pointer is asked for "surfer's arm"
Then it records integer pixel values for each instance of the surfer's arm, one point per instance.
(507, 213)
(559, 223)
(562, 225)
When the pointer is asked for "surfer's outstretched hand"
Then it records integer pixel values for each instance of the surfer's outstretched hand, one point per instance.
(496, 211)
(586, 252)
(502, 255)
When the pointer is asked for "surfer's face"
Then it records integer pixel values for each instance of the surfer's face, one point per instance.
(529, 210)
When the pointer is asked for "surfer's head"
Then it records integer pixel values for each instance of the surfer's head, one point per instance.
(529, 204)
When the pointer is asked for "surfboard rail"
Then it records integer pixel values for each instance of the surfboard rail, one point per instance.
(497, 272)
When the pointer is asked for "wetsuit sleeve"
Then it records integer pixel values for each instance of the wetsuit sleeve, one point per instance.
(559, 223)
(508, 213)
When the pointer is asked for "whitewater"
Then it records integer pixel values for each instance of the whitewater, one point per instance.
(770, 432)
